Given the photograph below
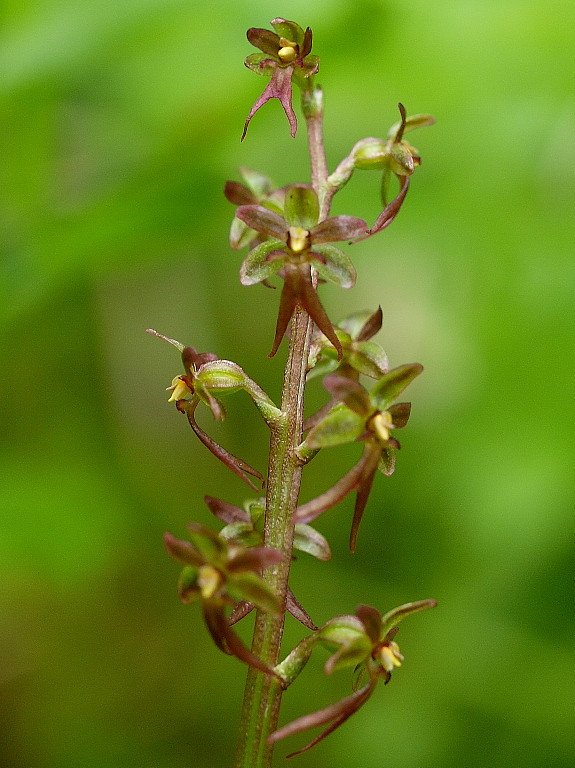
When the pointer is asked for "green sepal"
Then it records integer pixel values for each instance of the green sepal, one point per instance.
(340, 426)
(260, 185)
(241, 533)
(370, 359)
(307, 539)
(390, 386)
(393, 617)
(309, 66)
(410, 124)
(256, 509)
(275, 201)
(208, 543)
(257, 63)
(296, 660)
(387, 461)
(182, 551)
(240, 234)
(371, 154)
(221, 375)
(288, 29)
(322, 353)
(350, 654)
(188, 590)
(326, 365)
(251, 587)
(257, 267)
(301, 207)
(401, 160)
(337, 267)
(355, 323)
(341, 630)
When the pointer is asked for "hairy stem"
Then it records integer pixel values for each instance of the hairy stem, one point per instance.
(262, 695)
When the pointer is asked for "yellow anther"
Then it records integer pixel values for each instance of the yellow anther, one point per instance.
(288, 52)
(390, 657)
(381, 424)
(298, 239)
(179, 389)
(209, 581)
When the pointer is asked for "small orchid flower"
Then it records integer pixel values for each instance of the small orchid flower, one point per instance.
(360, 354)
(219, 574)
(297, 242)
(286, 57)
(359, 415)
(204, 375)
(394, 156)
(364, 641)
(245, 527)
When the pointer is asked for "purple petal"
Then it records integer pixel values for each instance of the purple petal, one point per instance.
(338, 713)
(400, 414)
(264, 39)
(298, 611)
(254, 559)
(338, 228)
(263, 220)
(225, 512)
(307, 299)
(372, 455)
(349, 392)
(239, 467)
(348, 483)
(240, 611)
(239, 194)
(307, 43)
(226, 639)
(183, 551)
(371, 620)
(390, 211)
(371, 326)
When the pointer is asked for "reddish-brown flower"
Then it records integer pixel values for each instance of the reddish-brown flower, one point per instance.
(285, 57)
(298, 241)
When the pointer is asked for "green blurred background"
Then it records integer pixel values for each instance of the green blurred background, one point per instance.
(120, 122)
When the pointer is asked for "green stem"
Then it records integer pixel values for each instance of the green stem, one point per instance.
(262, 695)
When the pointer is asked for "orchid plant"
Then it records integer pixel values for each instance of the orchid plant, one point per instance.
(246, 565)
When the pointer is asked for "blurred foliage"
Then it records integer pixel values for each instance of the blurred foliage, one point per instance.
(120, 123)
